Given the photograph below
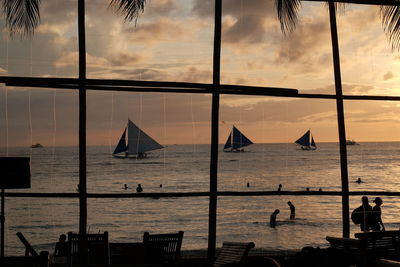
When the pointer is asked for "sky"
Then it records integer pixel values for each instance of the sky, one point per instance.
(173, 41)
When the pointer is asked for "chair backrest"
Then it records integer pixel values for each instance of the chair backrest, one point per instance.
(386, 241)
(162, 248)
(28, 248)
(88, 248)
(233, 252)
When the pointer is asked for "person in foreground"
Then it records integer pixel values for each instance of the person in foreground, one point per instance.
(376, 216)
(363, 214)
(272, 219)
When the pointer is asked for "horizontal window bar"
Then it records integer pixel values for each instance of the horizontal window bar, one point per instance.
(199, 194)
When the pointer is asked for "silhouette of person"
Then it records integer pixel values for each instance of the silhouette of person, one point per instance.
(139, 188)
(126, 186)
(376, 220)
(359, 180)
(292, 210)
(160, 185)
(248, 184)
(308, 189)
(61, 249)
(364, 211)
(279, 187)
(272, 219)
(320, 189)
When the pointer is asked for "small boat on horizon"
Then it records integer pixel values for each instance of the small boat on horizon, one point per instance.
(37, 145)
(236, 140)
(306, 141)
(351, 142)
(137, 145)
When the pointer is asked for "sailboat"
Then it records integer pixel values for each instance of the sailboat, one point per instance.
(306, 143)
(236, 140)
(137, 145)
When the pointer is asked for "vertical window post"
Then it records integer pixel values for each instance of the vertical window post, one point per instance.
(82, 119)
(341, 124)
(212, 221)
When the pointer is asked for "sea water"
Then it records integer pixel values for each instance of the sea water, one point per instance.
(185, 168)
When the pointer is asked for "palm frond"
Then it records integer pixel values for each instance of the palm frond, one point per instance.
(128, 8)
(391, 22)
(22, 16)
(287, 13)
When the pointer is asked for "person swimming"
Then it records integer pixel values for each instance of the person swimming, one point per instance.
(139, 188)
(125, 186)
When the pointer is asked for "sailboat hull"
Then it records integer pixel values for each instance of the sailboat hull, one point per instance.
(127, 156)
(308, 148)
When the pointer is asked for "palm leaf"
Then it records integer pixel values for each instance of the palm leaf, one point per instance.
(391, 22)
(129, 8)
(22, 16)
(287, 13)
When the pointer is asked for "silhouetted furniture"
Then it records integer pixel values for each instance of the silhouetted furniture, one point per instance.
(233, 253)
(88, 249)
(26, 261)
(163, 249)
(31, 258)
(368, 246)
(387, 263)
(127, 253)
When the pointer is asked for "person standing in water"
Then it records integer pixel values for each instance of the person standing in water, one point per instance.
(376, 219)
(272, 219)
(292, 211)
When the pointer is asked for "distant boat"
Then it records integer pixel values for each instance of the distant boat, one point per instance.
(236, 140)
(36, 146)
(306, 142)
(137, 145)
(351, 142)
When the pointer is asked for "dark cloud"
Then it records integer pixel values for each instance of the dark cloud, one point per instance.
(307, 48)
(250, 19)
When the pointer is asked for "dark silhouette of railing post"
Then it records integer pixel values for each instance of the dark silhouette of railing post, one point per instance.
(341, 124)
(212, 220)
(82, 119)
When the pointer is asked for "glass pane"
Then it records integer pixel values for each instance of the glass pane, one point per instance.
(178, 122)
(248, 219)
(374, 159)
(168, 42)
(51, 51)
(40, 220)
(127, 219)
(369, 65)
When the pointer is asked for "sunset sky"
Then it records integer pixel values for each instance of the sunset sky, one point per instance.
(173, 41)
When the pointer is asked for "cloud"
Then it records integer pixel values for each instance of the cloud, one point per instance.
(388, 76)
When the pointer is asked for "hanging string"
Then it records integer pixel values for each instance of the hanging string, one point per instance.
(6, 93)
(165, 133)
(193, 125)
(53, 155)
(110, 131)
(29, 102)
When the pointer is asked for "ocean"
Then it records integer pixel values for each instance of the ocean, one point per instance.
(185, 168)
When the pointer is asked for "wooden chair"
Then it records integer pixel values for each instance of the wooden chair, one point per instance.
(368, 246)
(233, 253)
(31, 258)
(88, 249)
(163, 249)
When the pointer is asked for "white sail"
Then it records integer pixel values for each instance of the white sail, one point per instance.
(139, 141)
